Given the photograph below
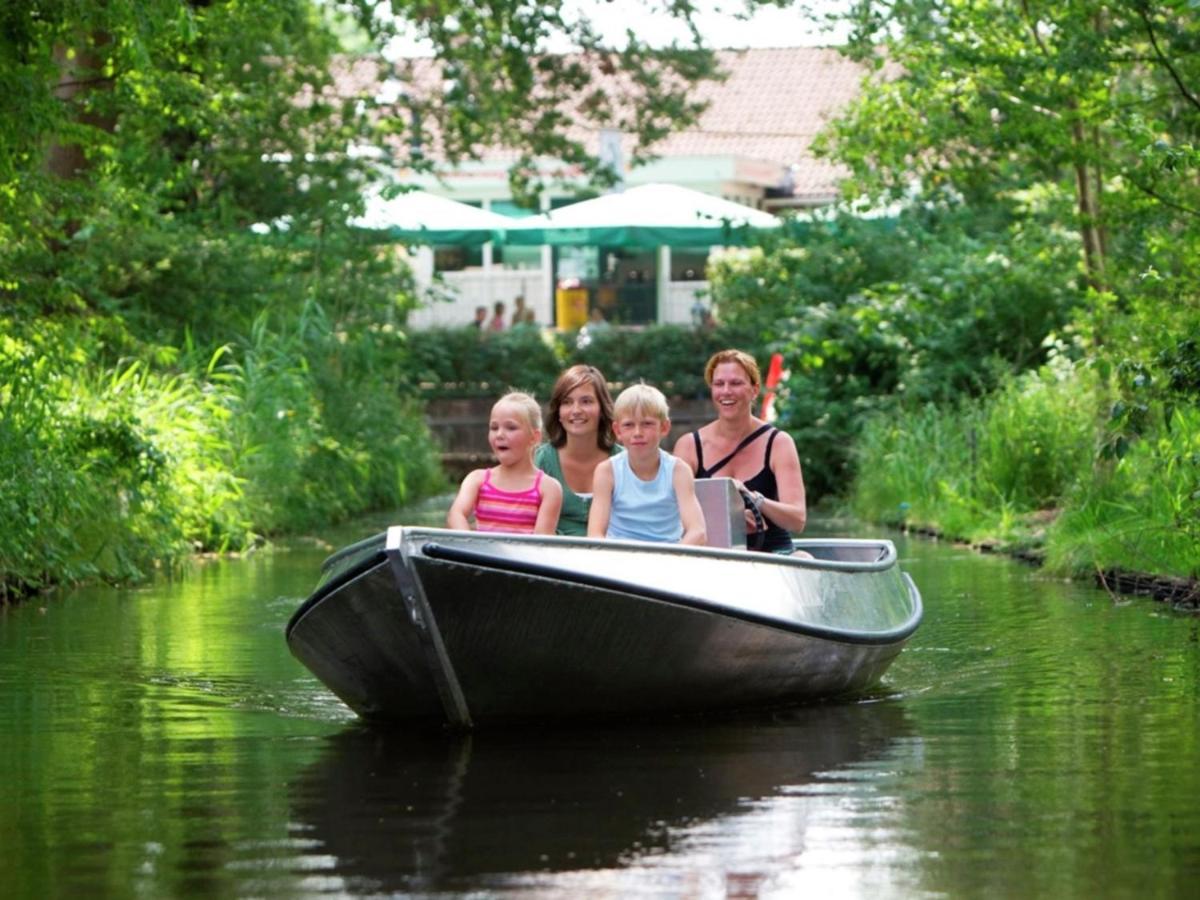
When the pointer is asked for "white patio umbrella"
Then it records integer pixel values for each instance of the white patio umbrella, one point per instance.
(652, 215)
(421, 217)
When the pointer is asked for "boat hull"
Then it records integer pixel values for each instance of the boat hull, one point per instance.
(443, 628)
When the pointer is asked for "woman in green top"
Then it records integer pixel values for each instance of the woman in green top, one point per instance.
(579, 428)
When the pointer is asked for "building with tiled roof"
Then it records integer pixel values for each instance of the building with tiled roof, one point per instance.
(751, 145)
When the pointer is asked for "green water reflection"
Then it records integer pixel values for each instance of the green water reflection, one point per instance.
(1034, 739)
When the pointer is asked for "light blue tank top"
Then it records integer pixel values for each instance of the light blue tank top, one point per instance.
(644, 510)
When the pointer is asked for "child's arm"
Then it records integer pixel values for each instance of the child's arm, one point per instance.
(602, 490)
(459, 514)
(551, 506)
(691, 516)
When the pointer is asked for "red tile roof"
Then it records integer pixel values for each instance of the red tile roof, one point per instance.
(769, 108)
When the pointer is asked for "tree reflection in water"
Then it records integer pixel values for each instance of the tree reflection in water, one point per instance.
(405, 811)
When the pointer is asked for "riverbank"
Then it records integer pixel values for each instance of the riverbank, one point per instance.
(114, 471)
(1033, 471)
(1180, 593)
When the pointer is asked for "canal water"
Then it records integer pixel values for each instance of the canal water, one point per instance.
(1035, 738)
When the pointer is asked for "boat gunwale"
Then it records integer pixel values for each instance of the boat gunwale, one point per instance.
(890, 636)
(887, 558)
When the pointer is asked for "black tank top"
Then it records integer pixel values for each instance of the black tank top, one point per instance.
(775, 538)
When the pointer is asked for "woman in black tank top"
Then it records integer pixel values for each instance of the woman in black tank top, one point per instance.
(778, 485)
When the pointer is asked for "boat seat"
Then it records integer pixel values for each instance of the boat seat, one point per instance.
(722, 507)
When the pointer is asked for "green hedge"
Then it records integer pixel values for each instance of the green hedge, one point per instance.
(464, 362)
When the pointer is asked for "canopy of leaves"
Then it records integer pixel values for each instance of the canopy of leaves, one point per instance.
(1096, 100)
(533, 79)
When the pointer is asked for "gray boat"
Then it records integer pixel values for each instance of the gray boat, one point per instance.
(461, 628)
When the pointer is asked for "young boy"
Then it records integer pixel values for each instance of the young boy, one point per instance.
(642, 494)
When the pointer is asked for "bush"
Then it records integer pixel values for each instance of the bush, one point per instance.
(932, 306)
(111, 471)
(84, 486)
(670, 357)
(467, 362)
(464, 362)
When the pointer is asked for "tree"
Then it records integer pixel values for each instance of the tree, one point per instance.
(987, 99)
(141, 138)
(500, 78)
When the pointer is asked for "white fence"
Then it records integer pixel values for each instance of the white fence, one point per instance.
(459, 293)
(676, 307)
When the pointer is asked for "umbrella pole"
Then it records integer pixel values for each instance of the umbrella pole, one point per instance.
(663, 285)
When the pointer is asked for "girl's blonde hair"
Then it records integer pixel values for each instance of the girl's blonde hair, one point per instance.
(642, 398)
(525, 406)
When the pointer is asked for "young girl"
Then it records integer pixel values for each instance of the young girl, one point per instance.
(514, 496)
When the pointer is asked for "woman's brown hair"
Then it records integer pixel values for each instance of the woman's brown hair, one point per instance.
(572, 378)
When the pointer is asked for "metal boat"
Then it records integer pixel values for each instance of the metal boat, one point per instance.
(461, 627)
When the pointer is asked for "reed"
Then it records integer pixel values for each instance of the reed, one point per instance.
(978, 469)
(1023, 468)
(116, 470)
(1140, 512)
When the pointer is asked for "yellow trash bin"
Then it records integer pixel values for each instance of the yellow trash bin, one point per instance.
(571, 307)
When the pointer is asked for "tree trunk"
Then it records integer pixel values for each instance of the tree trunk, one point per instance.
(80, 71)
(1088, 201)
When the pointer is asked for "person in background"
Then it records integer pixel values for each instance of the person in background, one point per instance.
(480, 318)
(497, 321)
(579, 436)
(514, 495)
(758, 456)
(522, 315)
(644, 494)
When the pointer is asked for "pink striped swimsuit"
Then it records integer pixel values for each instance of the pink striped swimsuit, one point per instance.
(512, 511)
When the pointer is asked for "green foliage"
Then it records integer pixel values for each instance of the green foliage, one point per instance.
(467, 362)
(1141, 512)
(928, 307)
(1086, 118)
(972, 468)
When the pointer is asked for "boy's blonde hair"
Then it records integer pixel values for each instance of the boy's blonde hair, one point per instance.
(642, 398)
(525, 406)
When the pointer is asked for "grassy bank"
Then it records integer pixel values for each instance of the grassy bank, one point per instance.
(115, 469)
(1034, 467)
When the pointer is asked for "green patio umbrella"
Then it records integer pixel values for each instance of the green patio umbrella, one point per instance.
(652, 215)
(424, 218)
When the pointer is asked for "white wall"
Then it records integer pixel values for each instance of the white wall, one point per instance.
(676, 309)
(473, 287)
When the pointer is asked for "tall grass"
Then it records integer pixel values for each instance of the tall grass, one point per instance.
(1141, 512)
(978, 470)
(1022, 467)
(111, 470)
(83, 487)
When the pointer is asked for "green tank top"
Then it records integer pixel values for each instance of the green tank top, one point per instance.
(573, 518)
